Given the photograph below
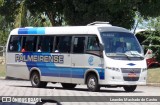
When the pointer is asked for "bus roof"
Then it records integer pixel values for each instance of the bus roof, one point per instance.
(67, 30)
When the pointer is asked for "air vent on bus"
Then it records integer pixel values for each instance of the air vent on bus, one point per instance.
(99, 23)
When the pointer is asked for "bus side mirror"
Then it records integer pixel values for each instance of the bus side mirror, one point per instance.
(101, 47)
(142, 47)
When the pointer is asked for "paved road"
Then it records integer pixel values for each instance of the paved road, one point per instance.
(23, 88)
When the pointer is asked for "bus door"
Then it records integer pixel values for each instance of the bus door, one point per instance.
(78, 58)
(63, 47)
(94, 56)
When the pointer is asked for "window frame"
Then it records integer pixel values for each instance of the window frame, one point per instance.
(88, 40)
(38, 40)
(93, 52)
(55, 42)
(74, 36)
(86, 36)
(8, 51)
(23, 42)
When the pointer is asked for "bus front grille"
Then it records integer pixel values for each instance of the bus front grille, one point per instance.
(128, 71)
(131, 78)
(131, 70)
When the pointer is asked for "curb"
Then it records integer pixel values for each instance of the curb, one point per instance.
(2, 78)
(153, 84)
(11, 78)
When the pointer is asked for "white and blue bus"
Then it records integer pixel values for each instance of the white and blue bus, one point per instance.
(98, 55)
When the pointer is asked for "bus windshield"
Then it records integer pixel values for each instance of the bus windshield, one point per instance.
(121, 44)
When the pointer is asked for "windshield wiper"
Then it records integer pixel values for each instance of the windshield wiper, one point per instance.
(128, 56)
(135, 54)
(140, 56)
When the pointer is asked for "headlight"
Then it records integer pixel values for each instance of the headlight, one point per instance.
(144, 69)
(113, 68)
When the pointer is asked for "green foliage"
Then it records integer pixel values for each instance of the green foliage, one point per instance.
(82, 12)
(4, 30)
(53, 9)
(10, 10)
(117, 12)
(21, 13)
(151, 36)
(149, 8)
(1, 2)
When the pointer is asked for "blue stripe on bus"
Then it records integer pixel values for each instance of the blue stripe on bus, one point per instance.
(68, 72)
(28, 31)
(50, 69)
(23, 31)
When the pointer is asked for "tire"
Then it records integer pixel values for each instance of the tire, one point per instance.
(130, 88)
(92, 83)
(35, 81)
(68, 85)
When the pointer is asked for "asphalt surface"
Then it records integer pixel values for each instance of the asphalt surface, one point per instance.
(23, 88)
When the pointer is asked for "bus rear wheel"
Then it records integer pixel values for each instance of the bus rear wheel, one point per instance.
(68, 85)
(36, 82)
(130, 88)
(92, 83)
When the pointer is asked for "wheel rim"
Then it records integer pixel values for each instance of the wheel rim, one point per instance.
(91, 83)
(35, 80)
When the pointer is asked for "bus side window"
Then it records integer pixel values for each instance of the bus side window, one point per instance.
(15, 44)
(78, 45)
(93, 44)
(63, 44)
(29, 43)
(45, 44)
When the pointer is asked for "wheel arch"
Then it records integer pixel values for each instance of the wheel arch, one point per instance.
(35, 69)
(90, 71)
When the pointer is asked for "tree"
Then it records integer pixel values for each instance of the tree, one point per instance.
(9, 10)
(151, 36)
(117, 12)
(82, 12)
(17, 16)
(52, 8)
(1, 2)
(149, 8)
(4, 30)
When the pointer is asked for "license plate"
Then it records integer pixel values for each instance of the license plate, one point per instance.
(131, 75)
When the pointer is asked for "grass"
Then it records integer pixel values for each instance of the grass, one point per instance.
(2, 70)
(153, 74)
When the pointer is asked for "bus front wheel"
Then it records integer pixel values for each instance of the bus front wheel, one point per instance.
(130, 88)
(92, 83)
(35, 81)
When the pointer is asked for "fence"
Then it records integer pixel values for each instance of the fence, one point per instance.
(2, 54)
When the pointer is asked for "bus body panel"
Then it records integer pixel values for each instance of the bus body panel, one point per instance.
(71, 67)
(16, 69)
(72, 70)
(113, 77)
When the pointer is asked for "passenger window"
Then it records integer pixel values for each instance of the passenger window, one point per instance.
(79, 44)
(45, 44)
(15, 44)
(63, 44)
(29, 44)
(93, 44)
